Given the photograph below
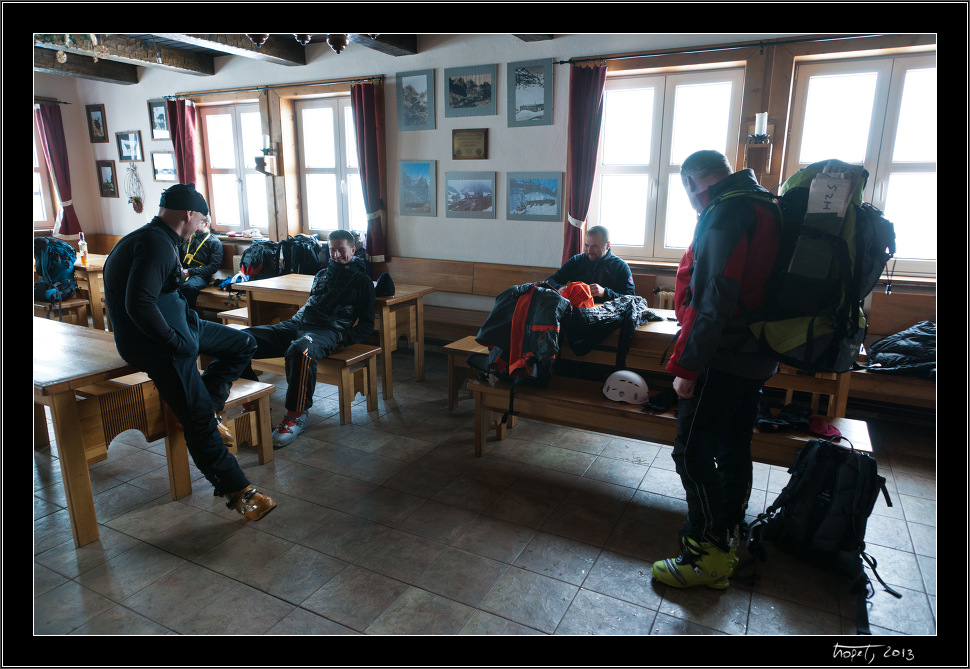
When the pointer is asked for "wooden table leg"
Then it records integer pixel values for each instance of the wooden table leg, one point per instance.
(94, 297)
(74, 468)
(42, 438)
(419, 342)
(371, 383)
(387, 345)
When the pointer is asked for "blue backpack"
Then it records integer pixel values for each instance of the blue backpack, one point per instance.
(54, 261)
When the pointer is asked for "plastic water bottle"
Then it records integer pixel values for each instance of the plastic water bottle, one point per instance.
(82, 248)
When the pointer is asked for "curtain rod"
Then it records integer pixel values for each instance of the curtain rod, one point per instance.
(352, 80)
(761, 44)
(49, 101)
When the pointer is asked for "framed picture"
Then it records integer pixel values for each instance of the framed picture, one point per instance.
(418, 192)
(534, 196)
(470, 194)
(469, 143)
(415, 100)
(129, 146)
(163, 166)
(530, 93)
(97, 123)
(107, 178)
(158, 119)
(470, 91)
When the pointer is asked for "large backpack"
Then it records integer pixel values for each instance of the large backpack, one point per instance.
(54, 261)
(261, 260)
(821, 514)
(522, 336)
(833, 249)
(301, 255)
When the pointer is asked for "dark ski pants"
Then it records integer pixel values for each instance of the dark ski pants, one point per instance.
(712, 453)
(192, 287)
(300, 347)
(194, 398)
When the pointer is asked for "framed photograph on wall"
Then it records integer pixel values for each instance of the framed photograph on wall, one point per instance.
(470, 195)
(530, 93)
(97, 123)
(163, 166)
(534, 196)
(415, 100)
(129, 146)
(158, 119)
(418, 194)
(107, 178)
(470, 91)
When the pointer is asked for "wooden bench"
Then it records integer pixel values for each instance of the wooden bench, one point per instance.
(220, 300)
(239, 316)
(889, 314)
(353, 369)
(458, 369)
(581, 404)
(71, 311)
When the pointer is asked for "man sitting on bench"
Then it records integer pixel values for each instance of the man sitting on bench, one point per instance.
(608, 275)
(201, 258)
(339, 312)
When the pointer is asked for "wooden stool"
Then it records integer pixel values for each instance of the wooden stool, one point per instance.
(239, 316)
(353, 369)
(458, 369)
(126, 403)
(72, 311)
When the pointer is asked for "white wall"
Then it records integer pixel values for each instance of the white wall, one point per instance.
(541, 148)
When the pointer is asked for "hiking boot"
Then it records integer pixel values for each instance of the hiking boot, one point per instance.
(224, 432)
(288, 430)
(251, 503)
(699, 563)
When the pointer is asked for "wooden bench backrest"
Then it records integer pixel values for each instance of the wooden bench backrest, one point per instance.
(451, 275)
(644, 285)
(889, 314)
(490, 279)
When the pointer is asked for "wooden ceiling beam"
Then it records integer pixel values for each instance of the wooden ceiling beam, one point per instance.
(392, 45)
(274, 50)
(128, 50)
(83, 67)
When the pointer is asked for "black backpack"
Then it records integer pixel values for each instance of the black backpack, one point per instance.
(54, 261)
(261, 260)
(301, 255)
(821, 515)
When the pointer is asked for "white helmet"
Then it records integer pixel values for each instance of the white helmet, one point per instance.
(626, 386)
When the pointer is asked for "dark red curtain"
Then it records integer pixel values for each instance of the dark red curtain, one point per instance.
(181, 121)
(55, 154)
(586, 86)
(367, 104)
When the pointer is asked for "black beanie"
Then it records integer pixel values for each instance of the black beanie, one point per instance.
(184, 197)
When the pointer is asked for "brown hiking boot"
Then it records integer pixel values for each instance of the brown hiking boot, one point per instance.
(251, 503)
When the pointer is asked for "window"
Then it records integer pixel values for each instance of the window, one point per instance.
(881, 113)
(237, 192)
(650, 125)
(44, 213)
(332, 196)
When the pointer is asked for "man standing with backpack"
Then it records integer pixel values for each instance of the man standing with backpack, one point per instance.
(719, 370)
(156, 331)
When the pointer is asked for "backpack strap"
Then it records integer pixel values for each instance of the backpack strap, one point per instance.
(189, 257)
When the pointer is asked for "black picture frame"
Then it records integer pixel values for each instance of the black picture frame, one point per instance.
(97, 124)
(158, 119)
(130, 146)
(107, 178)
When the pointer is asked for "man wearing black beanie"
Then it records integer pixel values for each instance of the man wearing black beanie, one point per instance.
(156, 331)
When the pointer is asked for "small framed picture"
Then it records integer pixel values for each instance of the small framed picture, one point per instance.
(470, 91)
(129, 146)
(158, 119)
(415, 100)
(97, 123)
(534, 196)
(470, 194)
(469, 143)
(418, 192)
(107, 178)
(163, 166)
(530, 93)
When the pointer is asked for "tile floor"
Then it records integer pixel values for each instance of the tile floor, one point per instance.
(391, 526)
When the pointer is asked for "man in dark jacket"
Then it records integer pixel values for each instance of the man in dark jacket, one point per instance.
(718, 368)
(201, 258)
(339, 312)
(608, 276)
(156, 331)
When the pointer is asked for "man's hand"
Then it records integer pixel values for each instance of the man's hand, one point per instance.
(596, 290)
(185, 272)
(683, 387)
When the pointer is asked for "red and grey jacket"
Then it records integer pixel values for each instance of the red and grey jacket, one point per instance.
(723, 274)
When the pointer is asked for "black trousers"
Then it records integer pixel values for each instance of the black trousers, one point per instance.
(192, 287)
(194, 398)
(300, 347)
(712, 453)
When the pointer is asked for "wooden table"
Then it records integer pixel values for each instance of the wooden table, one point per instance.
(90, 278)
(67, 357)
(276, 297)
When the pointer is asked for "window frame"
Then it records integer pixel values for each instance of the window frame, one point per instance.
(49, 199)
(661, 173)
(891, 71)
